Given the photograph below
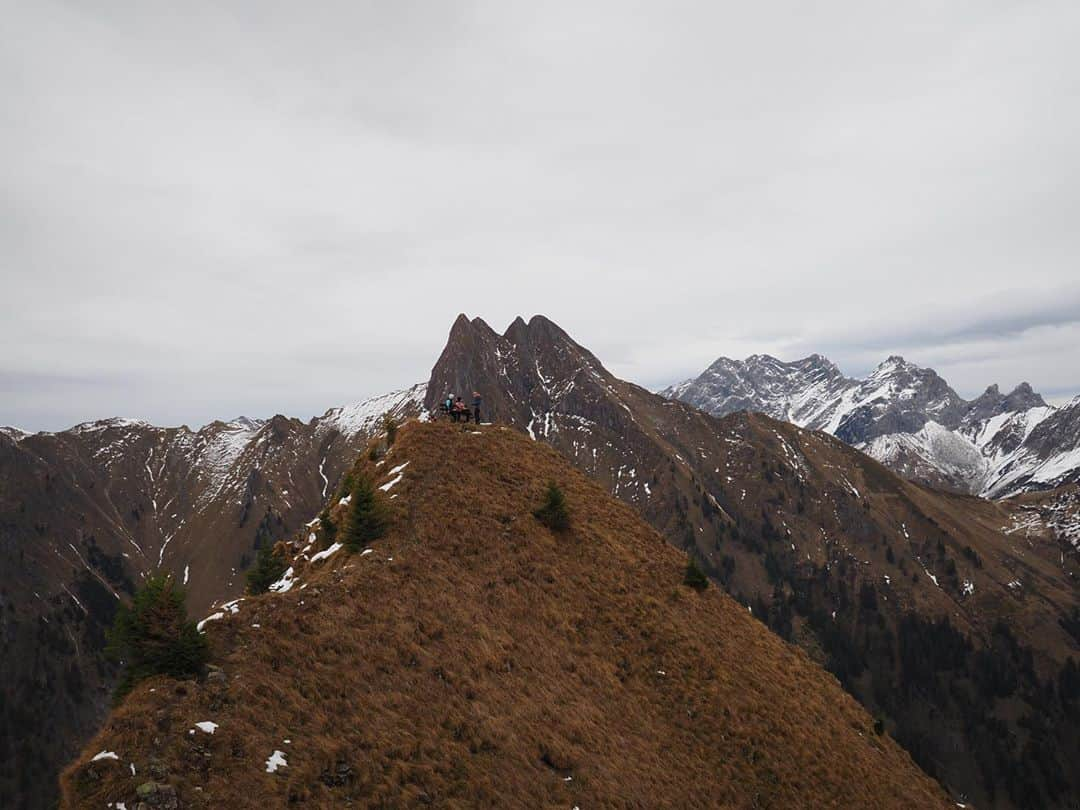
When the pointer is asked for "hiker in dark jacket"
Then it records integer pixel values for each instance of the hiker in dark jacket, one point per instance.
(476, 406)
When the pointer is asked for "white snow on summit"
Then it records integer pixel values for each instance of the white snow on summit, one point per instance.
(908, 418)
(364, 416)
(13, 433)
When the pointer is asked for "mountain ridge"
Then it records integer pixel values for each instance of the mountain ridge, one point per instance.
(797, 525)
(474, 658)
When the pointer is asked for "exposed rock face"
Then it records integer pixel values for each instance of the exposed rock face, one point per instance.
(899, 415)
(520, 374)
(899, 397)
(993, 403)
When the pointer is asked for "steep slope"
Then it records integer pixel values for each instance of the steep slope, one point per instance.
(86, 513)
(476, 659)
(900, 590)
(906, 417)
(1048, 455)
(1054, 513)
(934, 455)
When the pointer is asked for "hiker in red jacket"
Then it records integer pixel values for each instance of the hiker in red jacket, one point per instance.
(460, 410)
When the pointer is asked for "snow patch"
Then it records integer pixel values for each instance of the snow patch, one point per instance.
(276, 760)
(386, 487)
(322, 555)
(325, 480)
(213, 617)
(288, 579)
(364, 417)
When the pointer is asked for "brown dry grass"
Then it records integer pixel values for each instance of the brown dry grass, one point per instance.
(477, 659)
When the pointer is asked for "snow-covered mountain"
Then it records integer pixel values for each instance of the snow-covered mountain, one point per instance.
(12, 433)
(907, 417)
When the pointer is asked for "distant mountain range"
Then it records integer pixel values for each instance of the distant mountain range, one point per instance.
(908, 418)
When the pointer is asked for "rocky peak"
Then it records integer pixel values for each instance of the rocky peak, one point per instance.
(1023, 397)
(247, 423)
(518, 331)
(761, 360)
(900, 397)
(113, 423)
(13, 433)
(992, 402)
(520, 375)
(895, 365)
(795, 391)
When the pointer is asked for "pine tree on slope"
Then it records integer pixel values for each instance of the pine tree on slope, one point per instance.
(367, 519)
(154, 636)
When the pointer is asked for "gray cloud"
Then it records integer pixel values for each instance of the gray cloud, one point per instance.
(254, 207)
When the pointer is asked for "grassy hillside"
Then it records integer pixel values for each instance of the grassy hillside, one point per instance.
(475, 658)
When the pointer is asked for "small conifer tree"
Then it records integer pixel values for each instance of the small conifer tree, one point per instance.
(267, 570)
(326, 523)
(695, 577)
(553, 512)
(348, 481)
(389, 425)
(153, 635)
(368, 518)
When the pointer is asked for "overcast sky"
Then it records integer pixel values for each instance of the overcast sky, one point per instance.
(279, 207)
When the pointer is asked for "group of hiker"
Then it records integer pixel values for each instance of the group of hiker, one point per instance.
(456, 408)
